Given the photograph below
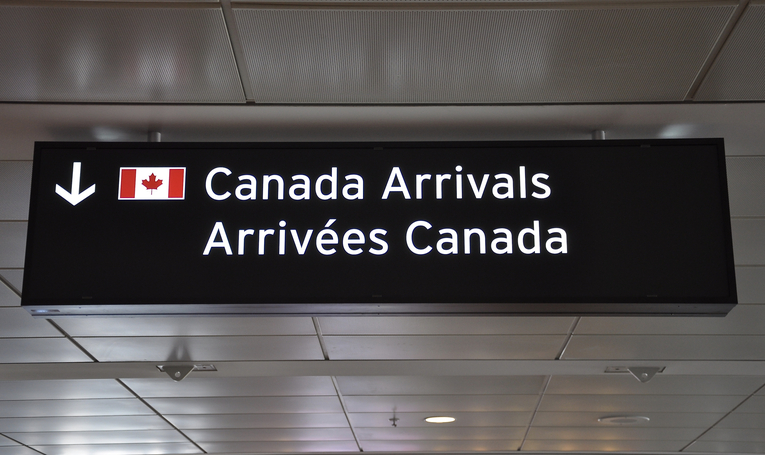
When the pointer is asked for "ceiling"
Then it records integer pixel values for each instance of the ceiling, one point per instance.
(382, 70)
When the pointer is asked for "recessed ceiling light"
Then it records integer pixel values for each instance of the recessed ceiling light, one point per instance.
(440, 419)
(624, 420)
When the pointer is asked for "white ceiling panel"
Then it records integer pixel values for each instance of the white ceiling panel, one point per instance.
(13, 241)
(614, 433)
(742, 320)
(8, 298)
(119, 449)
(13, 277)
(62, 389)
(163, 349)
(89, 423)
(246, 405)
(18, 323)
(626, 384)
(441, 403)
(743, 420)
(271, 434)
(436, 432)
(233, 387)
(666, 347)
(73, 408)
(730, 434)
(108, 54)
(444, 347)
(604, 446)
(639, 403)
(727, 447)
(293, 420)
(182, 326)
(477, 56)
(434, 385)
(18, 450)
(751, 284)
(417, 419)
(280, 446)
(98, 437)
(440, 446)
(15, 184)
(748, 241)
(36, 350)
(446, 326)
(746, 185)
(5, 442)
(755, 404)
(658, 419)
(738, 68)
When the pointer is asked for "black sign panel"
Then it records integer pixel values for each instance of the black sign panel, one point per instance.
(595, 227)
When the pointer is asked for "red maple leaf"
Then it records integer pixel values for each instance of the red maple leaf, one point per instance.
(152, 184)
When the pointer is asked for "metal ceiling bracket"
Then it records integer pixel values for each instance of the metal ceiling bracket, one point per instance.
(598, 135)
(644, 374)
(178, 372)
(155, 136)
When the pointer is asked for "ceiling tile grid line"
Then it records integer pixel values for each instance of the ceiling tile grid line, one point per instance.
(20, 444)
(145, 403)
(715, 51)
(536, 408)
(721, 419)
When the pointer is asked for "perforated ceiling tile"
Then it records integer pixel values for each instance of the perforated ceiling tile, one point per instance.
(74, 408)
(479, 445)
(87, 423)
(15, 182)
(18, 323)
(13, 240)
(445, 325)
(737, 72)
(119, 449)
(666, 347)
(606, 445)
(8, 298)
(444, 347)
(661, 384)
(477, 56)
(746, 185)
(68, 389)
(98, 437)
(182, 326)
(126, 53)
(277, 420)
(433, 385)
(233, 387)
(164, 349)
(658, 419)
(464, 419)
(748, 245)
(742, 320)
(36, 350)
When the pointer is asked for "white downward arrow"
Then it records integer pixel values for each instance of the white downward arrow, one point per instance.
(75, 197)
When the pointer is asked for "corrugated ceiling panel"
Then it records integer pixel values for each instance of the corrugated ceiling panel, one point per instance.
(112, 54)
(737, 72)
(477, 56)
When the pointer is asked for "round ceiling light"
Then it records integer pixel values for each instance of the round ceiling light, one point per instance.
(440, 419)
(624, 420)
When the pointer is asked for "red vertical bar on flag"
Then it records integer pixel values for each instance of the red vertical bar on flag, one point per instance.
(127, 184)
(175, 187)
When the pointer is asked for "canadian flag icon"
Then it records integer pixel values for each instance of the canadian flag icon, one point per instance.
(152, 183)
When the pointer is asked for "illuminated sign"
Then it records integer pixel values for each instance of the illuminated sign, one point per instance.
(595, 227)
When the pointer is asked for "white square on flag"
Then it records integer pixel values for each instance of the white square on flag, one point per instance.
(152, 183)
